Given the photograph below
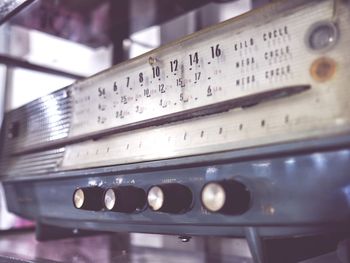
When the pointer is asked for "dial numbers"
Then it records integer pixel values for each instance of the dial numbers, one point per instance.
(229, 63)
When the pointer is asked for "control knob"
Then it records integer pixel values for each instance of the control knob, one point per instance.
(170, 198)
(126, 199)
(88, 198)
(227, 197)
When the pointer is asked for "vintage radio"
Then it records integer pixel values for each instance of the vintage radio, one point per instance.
(241, 129)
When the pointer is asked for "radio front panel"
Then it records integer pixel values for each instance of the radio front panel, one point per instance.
(274, 75)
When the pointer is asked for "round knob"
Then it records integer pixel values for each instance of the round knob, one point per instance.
(227, 197)
(126, 199)
(170, 198)
(88, 198)
(322, 36)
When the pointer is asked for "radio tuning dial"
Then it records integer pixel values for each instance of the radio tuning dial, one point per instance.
(88, 198)
(227, 197)
(125, 199)
(170, 198)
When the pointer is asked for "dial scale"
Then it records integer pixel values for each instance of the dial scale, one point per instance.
(228, 87)
(223, 63)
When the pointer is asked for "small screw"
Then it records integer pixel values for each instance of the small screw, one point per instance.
(152, 60)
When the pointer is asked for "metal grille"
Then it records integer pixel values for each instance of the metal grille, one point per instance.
(37, 123)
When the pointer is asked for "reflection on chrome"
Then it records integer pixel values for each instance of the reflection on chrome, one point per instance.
(52, 109)
(266, 164)
(319, 160)
(55, 118)
(346, 191)
(344, 154)
(290, 161)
